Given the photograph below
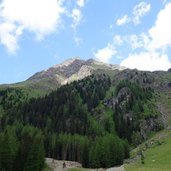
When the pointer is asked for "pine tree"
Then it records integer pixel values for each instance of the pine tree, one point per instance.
(35, 160)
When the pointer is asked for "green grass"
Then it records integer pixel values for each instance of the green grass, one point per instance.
(77, 169)
(157, 157)
(47, 169)
(165, 99)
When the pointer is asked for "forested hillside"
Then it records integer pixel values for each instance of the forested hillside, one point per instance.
(21, 148)
(92, 121)
(66, 118)
(134, 111)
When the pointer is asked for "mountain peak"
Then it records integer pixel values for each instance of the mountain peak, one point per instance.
(67, 62)
(68, 71)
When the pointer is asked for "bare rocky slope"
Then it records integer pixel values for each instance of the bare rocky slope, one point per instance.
(68, 71)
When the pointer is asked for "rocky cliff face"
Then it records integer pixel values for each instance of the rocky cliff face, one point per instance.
(129, 108)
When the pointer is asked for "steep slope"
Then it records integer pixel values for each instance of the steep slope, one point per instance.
(159, 81)
(70, 70)
(156, 152)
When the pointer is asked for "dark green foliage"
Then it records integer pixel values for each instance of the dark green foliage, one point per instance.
(21, 148)
(93, 89)
(67, 109)
(12, 97)
(107, 151)
(70, 128)
(8, 149)
(130, 109)
(67, 147)
(85, 156)
(35, 159)
(136, 138)
(139, 92)
(126, 149)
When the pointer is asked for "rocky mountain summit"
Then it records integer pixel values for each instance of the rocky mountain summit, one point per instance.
(70, 70)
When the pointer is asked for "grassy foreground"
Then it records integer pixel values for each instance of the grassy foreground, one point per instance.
(47, 169)
(77, 169)
(157, 157)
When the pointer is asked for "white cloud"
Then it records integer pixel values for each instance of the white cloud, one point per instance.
(105, 54)
(138, 41)
(158, 37)
(77, 17)
(160, 33)
(117, 40)
(147, 61)
(149, 49)
(133, 40)
(77, 40)
(139, 11)
(41, 17)
(153, 45)
(164, 1)
(121, 21)
(9, 36)
(80, 3)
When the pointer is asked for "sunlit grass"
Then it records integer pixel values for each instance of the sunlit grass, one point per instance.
(157, 158)
(77, 169)
(47, 168)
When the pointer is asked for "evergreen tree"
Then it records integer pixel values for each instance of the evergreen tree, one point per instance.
(35, 160)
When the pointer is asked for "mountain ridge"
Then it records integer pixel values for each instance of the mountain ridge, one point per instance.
(70, 70)
(72, 66)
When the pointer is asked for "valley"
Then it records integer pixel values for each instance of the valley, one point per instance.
(97, 114)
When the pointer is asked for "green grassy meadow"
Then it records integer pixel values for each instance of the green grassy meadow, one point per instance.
(77, 169)
(47, 168)
(157, 157)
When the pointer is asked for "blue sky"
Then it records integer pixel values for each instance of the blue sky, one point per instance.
(37, 34)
